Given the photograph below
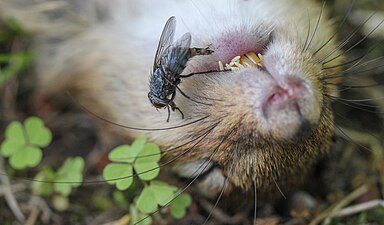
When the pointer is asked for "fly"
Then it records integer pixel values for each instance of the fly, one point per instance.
(170, 61)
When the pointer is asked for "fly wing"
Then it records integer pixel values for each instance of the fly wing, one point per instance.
(178, 55)
(165, 41)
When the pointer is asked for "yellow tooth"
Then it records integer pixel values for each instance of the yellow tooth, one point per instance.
(253, 57)
(246, 62)
(237, 64)
(250, 59)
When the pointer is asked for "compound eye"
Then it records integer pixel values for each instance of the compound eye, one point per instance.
(158, 105)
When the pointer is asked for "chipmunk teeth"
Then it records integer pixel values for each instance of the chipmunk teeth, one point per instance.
(221, 66)
(236, 59)
(253, 57)
(248, 60)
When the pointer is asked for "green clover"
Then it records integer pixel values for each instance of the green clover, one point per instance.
(146, 164)
(23, 144)
(140, 156)
(69, 175)
(139, 217)
(179, 205)
(120, 173)
(157, 193)
(44, 188)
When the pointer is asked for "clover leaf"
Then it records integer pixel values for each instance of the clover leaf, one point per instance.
(146, 165)
(119, 174)
(139, 217)
(139, 156)
(146, 202)
(157, 193)
(37, 133)
(23, 143)
(69, 175)
(44, 188)
(179, 205)
(58, 184)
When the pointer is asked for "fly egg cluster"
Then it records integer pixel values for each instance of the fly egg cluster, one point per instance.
(248, 60)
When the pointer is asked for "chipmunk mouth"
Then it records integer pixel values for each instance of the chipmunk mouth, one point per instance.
(248, 60)
(281, 97)
(241, 47)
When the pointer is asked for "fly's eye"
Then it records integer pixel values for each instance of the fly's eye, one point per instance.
(158, 105)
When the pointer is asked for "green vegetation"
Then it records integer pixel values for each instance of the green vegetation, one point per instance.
(141, 160)
(23, 142)
(15, 62)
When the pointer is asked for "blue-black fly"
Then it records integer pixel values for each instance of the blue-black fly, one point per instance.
(170, 61)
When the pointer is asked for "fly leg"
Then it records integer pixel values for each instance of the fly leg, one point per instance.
(173, 105)
(185, 95)
(177, 108)
(169, 113)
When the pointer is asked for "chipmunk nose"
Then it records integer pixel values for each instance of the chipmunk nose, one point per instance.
(285, 93)
(287, 104)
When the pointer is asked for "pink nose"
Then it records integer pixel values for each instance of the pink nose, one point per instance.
(285, 94)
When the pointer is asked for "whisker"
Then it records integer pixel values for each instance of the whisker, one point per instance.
(345, 119)
(362, 100)
(191, 148)
(362, 64)
(351, 139)
(255, 200)
(352, 4)
(254, 181)
(118, 178)
(189, 98)
(316, 27)
(356, 44)
(340, 100)
(278, 188)
(356, 67)
(345, 63)
(349, 87)
(346, 40)
(165, 152)
(343, 88)
(358, 60)
(204, 72)
(354, 105)
(173, 159)
(135, 128)
(308, 32)
(199, 171)
(223, 188)
(358, 72)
